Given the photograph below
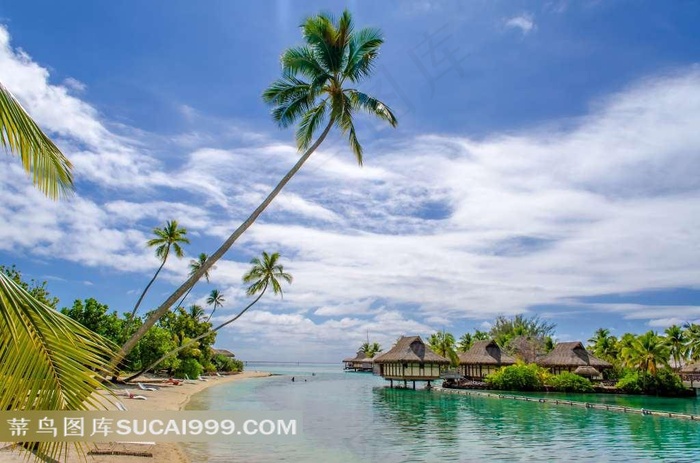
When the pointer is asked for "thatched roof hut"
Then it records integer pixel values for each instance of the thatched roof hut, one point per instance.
(691, 368)
(587, 371)
(527, 350)
(410, 360)
(225, 352)
(568, 356)
(482, 359)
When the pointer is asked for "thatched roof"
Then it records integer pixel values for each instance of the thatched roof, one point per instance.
(225, 352)
(357, 358)
(571, 354)
(485, 353)
(691, 368)
(410, 349)
(586, 370)
(525, 349)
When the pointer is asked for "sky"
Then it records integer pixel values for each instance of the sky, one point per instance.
(545, 163)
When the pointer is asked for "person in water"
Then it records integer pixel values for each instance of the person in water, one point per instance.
(292, 378)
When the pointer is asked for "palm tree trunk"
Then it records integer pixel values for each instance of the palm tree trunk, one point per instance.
(192, 341)
(158, 313)
(138, 303)
(179, 304)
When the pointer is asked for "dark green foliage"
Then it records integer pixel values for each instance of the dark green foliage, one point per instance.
(93, 315)
(227, 364)
(518, 377)
(569, 382)
(190, 367)
(664, 383)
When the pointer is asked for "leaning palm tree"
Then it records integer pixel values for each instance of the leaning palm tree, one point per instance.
(216, 299)
(195, 265)
(266, 273)
(166, 238)
(318, 89)
(47, 360)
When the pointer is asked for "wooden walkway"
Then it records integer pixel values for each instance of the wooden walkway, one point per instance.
(570, 403)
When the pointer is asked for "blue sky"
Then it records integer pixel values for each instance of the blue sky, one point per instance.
(545, 163)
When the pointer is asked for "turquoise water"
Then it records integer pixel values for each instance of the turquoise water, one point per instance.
(353, 417)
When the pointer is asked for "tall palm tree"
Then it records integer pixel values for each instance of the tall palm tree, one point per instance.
(675, 341)
(443, 343)
(266, 273)
(47, 360)
(166, 238)
(196, 313)
(216, 299)
(646, 353)
(195, 265)
(318, 86)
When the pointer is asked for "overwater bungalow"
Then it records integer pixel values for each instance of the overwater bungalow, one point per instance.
(409, 360)
(484, 357)
(359, 362)
(572, 356)
(691, 372)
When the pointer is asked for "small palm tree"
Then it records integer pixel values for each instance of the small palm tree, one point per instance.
(646, 352)
(675, 341)
(216, 299)
(266, 273)
(318, 89)
(371, 349)
(465, 342)
(692, 343)
(196, 313)
(195, 265)
(443, 343)
(166, 238)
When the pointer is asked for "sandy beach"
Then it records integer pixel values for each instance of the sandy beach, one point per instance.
(169, 397)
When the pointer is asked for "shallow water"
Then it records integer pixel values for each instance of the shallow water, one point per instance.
(353, 417)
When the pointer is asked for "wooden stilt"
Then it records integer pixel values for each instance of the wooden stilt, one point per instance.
(391, 384)
(414, 385)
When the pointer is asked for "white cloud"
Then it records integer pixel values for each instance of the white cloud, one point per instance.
(433, 229)
(525, 22)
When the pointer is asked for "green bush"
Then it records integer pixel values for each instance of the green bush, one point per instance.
(190, 367)
(665, 383)
(630, 383)
(224, 363)
(570, 382)
(518, 378)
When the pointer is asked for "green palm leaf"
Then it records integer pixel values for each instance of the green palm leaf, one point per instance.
(47, 360)
(19, 134)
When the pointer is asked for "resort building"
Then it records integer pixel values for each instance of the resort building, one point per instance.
(573, 357)
(484, 358)
(409, 360)
(359, 362)
(691, 372)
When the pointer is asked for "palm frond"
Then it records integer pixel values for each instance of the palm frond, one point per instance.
(47, 360)
(284, 90)
(310, 122)
(49, 168)
(321, 35)
(363, 49)
(286, 114)
(302, 60)
(372, 106)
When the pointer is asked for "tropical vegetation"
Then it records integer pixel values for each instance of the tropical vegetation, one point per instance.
(319, 89)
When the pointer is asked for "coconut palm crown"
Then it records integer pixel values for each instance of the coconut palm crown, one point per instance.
(318, 79)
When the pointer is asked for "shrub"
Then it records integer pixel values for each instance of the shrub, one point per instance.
(665, 383)
(190, 367)
(630, 383)
(224, 363)
(518, 378)
(570, 382)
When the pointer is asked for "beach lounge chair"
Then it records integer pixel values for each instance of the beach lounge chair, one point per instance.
(219, 375)
(188, 380)
(146, 388)
(201, 378)
(130, 395)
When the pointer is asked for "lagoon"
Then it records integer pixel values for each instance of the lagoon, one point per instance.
(353, 417)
